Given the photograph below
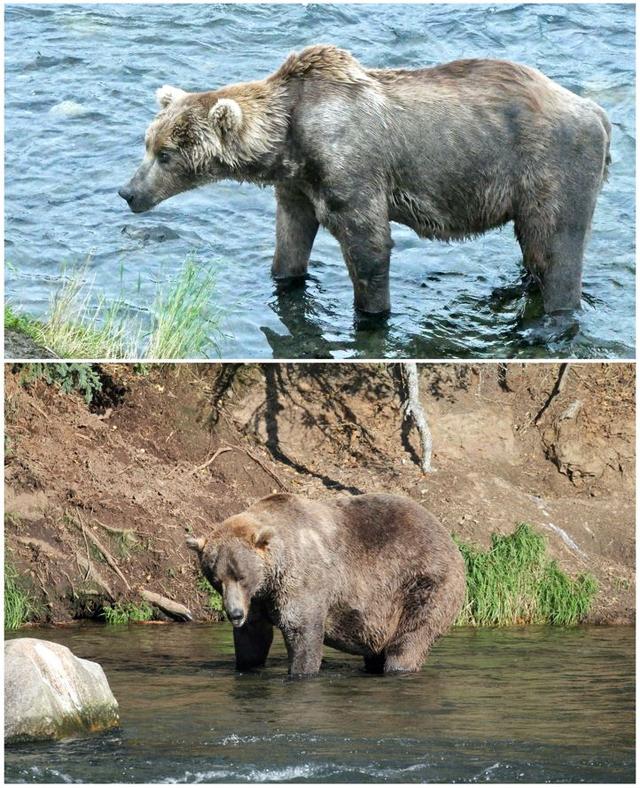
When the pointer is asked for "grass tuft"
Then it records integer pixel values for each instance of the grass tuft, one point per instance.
(79, 326)
(182, 328)
(515, 582)
(18, 605)
(127, 612)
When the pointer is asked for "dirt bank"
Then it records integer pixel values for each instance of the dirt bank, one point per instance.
(174, 448)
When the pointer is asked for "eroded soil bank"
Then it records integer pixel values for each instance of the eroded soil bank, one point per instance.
(169, 449)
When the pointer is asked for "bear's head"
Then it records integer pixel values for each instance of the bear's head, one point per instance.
(193, 140)
(233, 558)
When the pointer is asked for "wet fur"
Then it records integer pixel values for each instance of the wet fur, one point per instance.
(450, 151)
(374, 575)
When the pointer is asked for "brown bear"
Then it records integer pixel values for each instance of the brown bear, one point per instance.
(450, 151)
(374, 575)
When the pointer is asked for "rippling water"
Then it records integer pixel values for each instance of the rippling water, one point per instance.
(80, 82)
(517, 705)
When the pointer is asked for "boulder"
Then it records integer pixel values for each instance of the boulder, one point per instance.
(49, 693)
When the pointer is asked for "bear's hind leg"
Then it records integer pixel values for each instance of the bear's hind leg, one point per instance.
(374, 663)
(431, 606)
(553, 237)
(252, 642)
(556, 264)
(296, 228)
(408, 652)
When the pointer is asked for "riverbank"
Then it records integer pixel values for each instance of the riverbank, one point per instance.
(179, 322)
(160, 451)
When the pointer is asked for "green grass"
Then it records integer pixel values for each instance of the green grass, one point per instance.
(79, 326)
(182, 327)
(18, 605)
(124, 613)
(515, 582)
(17, 322)
(80, 378)
(214, 601)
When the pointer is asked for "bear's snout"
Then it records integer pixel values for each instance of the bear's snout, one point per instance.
(236, 616)
(126, 194)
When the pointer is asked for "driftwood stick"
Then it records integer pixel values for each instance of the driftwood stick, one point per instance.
(107, 556)
(414, 410)
(173, 609)
(117, 531)
(213, 458)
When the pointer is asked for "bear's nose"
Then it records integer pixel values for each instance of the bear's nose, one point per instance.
(235, 615)
(126, 193)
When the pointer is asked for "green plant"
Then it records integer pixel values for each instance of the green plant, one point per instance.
(182, 326)
(83, 325)
(14, 321)
(214, 601)
(81, 378)
(515, 582)
(19, 607)
(124, 613)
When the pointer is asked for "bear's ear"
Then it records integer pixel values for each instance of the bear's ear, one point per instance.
(261, 537)
(167, 95)
(196, 544)
(226, 115)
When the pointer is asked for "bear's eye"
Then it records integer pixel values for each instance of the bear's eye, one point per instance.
(163, 157)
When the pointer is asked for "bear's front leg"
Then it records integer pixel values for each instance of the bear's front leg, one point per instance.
(252, 642)
(304, 647)
(365, 240)
(296, 228)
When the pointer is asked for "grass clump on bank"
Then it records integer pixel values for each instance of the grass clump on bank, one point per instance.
(80, 378)
(515, 582)
(214, 601)
(127, 612)
(19, 608)
(14, 321)
(80, 327)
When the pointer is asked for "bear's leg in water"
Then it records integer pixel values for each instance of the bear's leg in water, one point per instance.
(304, 647)
(366, 244)
(428, 613)
(296, 228)
(374, 663)
(252, 642)
(553, 229)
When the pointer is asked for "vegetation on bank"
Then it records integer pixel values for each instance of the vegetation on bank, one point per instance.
(127, 612)
(515, 582)
(81, 378)
(183, 325)
(214, 600)
(19, 607)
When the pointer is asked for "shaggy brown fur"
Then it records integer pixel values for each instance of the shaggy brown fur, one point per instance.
(450, 151)
(374, 575)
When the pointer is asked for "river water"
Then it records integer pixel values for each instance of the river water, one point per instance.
(515, 705)
(80, 83)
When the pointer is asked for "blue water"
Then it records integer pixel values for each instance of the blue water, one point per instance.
(521, 705)
(80, 83)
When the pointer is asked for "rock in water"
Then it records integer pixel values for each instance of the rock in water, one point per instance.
(49, 693)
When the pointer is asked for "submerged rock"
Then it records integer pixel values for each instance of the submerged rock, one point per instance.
(145, 234)
(67, 109)
(49, 693)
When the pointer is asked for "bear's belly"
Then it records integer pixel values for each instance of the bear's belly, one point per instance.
(353, 632)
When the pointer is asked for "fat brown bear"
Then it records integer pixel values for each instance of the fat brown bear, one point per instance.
(450, 151)
(374, 575)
